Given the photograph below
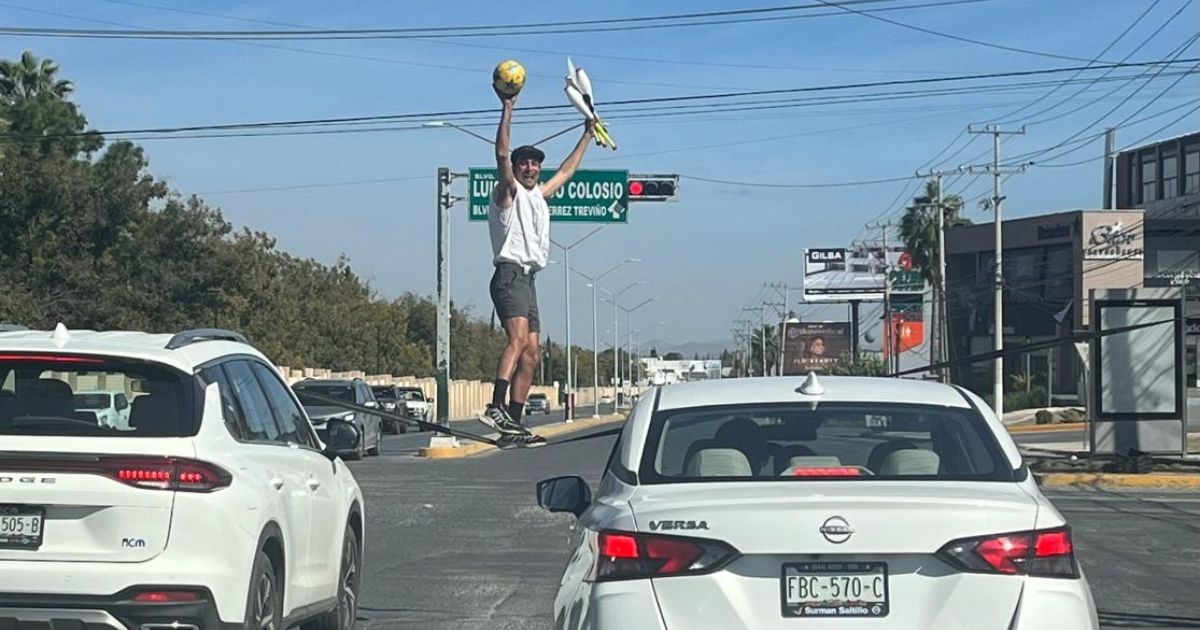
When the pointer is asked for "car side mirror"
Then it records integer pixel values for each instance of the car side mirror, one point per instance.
(340, 437)
(564, 494)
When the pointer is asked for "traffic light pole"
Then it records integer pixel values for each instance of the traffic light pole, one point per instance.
(444, 202)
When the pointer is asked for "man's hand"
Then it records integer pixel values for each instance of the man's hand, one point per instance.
(507, 102)
(589, 127)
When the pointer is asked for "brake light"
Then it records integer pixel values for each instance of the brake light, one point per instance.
(168, 474)
(628, 555)
(154, 473)
(828, 471)
(49, 358)
(166, 597)
(1045, 553)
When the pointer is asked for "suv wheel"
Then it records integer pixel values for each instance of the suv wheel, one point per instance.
(374, 450)
(344, 616)
(264, 602)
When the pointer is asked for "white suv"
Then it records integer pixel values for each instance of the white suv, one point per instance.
(216, 507)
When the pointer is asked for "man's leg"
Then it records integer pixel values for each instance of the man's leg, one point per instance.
(524, 376)
(517, 329)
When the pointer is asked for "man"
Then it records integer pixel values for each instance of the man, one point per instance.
(519, 222)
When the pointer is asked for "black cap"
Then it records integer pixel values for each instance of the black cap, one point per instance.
(528, 151)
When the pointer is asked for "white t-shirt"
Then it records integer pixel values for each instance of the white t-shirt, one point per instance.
(521, 233)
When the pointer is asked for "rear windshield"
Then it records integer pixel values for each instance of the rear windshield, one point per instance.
(92, 401)
(412, 394)
(834, 441)
(537, 397)
(340, 392)
(37, 397)
(384, 392)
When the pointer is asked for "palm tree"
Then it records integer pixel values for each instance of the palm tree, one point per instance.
(919, 231)
(30, 78)
(756, 357)
(919, 228)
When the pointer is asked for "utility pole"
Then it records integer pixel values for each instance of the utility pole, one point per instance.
(783, 315)
(444, 203)
(762, 333)
(941, 330)
(1110, 147)
(997, 202)
(888, 333)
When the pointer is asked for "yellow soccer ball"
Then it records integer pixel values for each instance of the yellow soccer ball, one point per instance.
(509, 77)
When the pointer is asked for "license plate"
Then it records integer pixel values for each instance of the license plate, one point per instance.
(21, 526)
(835, 589)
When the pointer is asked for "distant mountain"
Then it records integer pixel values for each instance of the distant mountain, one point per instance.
(688, 349)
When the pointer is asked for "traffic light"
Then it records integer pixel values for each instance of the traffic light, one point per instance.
(653, 187)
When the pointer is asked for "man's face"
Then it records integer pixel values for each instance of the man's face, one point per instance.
(527, 170)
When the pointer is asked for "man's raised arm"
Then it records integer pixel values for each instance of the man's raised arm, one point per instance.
(571, 164)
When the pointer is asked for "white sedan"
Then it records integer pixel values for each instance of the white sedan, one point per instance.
(848, 502)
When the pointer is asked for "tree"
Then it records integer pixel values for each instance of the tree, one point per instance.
(756, 361)
(918, 228)
(30, 78)
(673, 356)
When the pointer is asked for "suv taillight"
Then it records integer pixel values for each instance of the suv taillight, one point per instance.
(1043, 553)
(631, 555)
(168, 473)
(154, 473)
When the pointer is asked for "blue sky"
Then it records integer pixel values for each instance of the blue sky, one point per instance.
(705, 257)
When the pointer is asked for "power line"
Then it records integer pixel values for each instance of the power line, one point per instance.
(639, 101)
(477, 31)
(1118, 38)
(1132, 145)
(920, 29)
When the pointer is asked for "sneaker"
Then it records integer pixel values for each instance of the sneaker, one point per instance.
(520, 441)
(531, 441)
(498, 419)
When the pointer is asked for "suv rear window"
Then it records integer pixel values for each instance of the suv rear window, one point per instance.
(537, 397)
(340, 392)
(38, 397)
(842, 441)
(384, 392)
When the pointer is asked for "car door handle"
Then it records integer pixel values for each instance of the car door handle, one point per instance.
(313, 484)
(277, 483)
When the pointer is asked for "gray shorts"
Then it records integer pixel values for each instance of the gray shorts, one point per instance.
(514, 294)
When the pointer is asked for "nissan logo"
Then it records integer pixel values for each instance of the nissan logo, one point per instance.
(836, 530)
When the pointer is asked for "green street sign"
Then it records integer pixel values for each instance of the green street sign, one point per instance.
(590, 197)
(907, 281)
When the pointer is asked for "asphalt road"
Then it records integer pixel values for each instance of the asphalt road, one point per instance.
(461, 544)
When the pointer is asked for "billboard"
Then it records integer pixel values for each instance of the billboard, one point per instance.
(845, 275)
(814, 346)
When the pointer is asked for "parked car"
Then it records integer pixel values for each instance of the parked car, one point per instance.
(392, 399)
(767, 503)
(537, 403)
(217, 507)
(355, 391)
(111, 408)
(409, 402)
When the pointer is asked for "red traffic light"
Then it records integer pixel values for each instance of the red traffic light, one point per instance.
(636, 188)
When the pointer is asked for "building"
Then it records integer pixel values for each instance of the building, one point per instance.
(1051, 264)
(1163, 179)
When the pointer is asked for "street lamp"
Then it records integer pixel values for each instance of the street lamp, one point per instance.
(570, 416)
(615, 299)
(443, 123)
(629, 325)
(594, 284)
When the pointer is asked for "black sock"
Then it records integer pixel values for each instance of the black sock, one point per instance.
(516, 410)
(500, 392)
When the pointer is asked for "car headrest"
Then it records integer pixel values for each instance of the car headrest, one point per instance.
(910, 462)
(718, 462)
